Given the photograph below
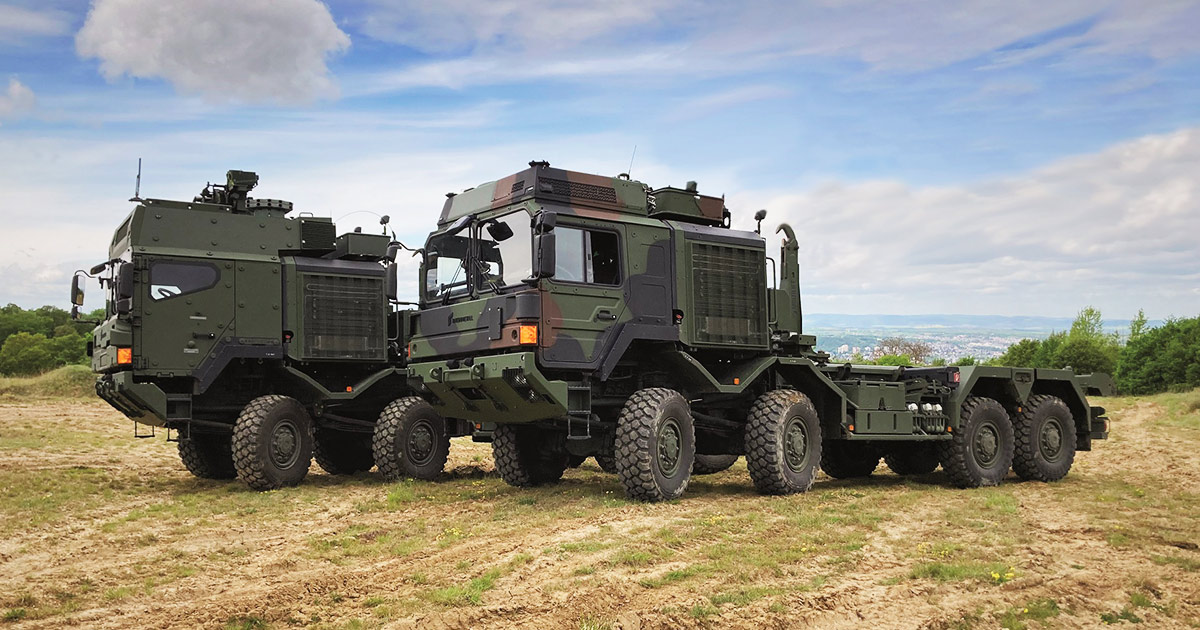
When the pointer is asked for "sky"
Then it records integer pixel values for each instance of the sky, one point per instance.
(974, 157)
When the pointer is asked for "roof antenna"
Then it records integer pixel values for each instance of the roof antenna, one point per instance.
(630, 171)
(137, 187)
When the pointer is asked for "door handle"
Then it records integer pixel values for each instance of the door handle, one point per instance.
(606, 315)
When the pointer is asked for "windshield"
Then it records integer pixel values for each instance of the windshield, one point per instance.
(446, 265)
(505, 252)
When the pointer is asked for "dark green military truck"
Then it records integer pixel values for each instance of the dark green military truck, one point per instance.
(567, 315)
(256, 335)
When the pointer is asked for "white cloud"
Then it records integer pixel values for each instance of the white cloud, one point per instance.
(17, 100)
(18, 23)
(225, 50)
(1114, 228)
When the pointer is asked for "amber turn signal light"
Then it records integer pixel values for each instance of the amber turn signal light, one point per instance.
(124, 356)
(528, 334)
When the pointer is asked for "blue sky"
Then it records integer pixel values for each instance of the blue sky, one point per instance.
(937, 157)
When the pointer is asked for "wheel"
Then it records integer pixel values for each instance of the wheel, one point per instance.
(842, 460)
(655, 445)
(709, 464)
(981, 451)
(527, 456)
(410, 440)
(916, 458)
(607, 463)
(272, 443)
(1045, 439)
(343, 452)
(208, 456)
(783, 442)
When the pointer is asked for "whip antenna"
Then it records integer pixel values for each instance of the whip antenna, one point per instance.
(137, 186)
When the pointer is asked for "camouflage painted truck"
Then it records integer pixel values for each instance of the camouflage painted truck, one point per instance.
(567, 315)
(259, 339)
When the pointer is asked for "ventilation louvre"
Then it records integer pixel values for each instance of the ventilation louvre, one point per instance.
(317, 235)
(729, 295)
(344, 317)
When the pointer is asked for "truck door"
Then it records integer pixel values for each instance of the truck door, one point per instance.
(585, 303)
(186, 309)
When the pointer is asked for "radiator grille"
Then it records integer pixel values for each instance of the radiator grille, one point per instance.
(729, 295)
(344, 317)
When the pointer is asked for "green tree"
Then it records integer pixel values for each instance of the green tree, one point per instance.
(1161, 359)
(1137, 326)
(26, 353)
(1020, 354)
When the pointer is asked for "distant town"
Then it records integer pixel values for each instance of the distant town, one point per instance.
(951, 337)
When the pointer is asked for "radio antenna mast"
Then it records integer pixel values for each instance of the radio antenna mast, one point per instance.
(630, 171)
(137, 187)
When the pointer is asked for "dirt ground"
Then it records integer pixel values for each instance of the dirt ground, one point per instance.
(101, 530)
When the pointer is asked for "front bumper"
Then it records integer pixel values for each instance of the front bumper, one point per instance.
(143, 402)
(506, 388)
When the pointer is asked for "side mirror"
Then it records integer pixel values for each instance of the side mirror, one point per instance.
(124, 306)
(76, 291)
(499, 232)
(124, 280)
(544, 222)
(545, 257)
(390, 288)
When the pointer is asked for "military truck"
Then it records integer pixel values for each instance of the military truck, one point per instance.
(567, 315)
(255, 335)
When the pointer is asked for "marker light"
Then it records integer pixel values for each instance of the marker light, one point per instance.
(124, 356)
(529, 334)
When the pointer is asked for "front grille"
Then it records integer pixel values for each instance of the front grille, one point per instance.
(344, 317)
(729, 295)
(579, 190)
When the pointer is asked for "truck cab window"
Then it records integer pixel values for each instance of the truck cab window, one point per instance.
(589, 256)
(170, 279)
(446, 265)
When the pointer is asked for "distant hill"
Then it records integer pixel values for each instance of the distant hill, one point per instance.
(990, 323)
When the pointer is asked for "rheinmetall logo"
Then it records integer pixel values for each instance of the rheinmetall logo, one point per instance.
(452, 320)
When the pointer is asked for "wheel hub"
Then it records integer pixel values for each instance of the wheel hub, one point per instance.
(669, 447)
(987, 445)
(285, 444)
(1051, 441)
(795, 445)
(420, 443)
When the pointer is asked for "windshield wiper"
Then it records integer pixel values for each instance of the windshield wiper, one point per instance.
(483, 272)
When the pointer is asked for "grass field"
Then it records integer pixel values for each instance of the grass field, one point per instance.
(101, 530)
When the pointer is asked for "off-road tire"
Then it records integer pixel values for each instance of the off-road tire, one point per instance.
(917, 458)
(710, 464)
(1045, 439)
(343, 452)
(980, 452)
(410, 440)
(655, 445)
(208, 456)
(524, 458)
(783, 442)
(607, 463)
(272, 443)
(841, 459)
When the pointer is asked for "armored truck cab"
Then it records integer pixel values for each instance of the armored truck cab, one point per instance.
(567, 315)
(255, 336)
